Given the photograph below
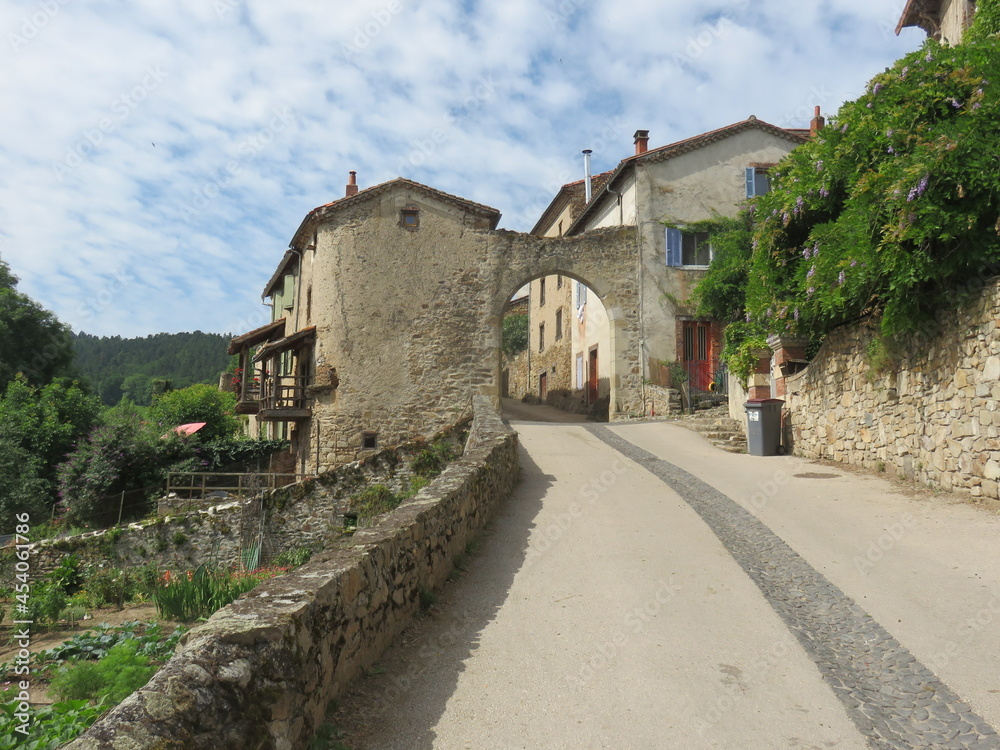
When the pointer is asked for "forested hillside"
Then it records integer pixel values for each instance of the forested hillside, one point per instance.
(138, 368)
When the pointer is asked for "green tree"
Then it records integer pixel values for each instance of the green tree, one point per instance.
(514, 334)
(198, 403)
(122, 454)
(32, 340)
(38, 428)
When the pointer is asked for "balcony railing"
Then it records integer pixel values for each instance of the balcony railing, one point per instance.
(284, 397)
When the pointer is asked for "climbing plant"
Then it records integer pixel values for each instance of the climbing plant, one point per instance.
(890, 210)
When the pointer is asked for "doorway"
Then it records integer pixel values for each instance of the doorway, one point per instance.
(592, 377)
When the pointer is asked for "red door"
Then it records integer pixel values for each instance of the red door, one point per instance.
(592, 377)
(696, 357)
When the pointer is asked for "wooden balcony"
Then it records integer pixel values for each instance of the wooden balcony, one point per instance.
(284, 399)
(248, 398)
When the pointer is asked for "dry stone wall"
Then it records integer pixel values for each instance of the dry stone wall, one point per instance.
(260, 672)
(933, 419)
(303, 514)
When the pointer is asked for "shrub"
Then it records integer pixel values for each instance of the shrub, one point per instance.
(46, 603)
(431, 461)
(115, 587)
(67, 575)
(374, 501)
(111, 679)
(294, 557)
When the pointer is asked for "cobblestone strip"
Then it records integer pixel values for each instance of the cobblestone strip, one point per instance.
(894, 700)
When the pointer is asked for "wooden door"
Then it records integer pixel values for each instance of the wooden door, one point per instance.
(592, 378)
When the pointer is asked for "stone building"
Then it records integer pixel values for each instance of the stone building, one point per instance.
(944, 20)
(387, 313)
(661, 192)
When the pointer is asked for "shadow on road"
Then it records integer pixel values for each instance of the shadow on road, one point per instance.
(399, 703)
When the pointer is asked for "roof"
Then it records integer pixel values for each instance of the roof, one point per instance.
(264, 333)
(796, 135)
(570, 193)
(279, 273)
(367, 194)
(305, 336)
(923, 13)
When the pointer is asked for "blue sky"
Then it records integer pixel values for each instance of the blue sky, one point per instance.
(156, 158)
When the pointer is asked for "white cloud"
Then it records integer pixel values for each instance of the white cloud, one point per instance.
(258, 110)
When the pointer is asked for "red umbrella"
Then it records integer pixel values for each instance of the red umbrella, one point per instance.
(187, 429)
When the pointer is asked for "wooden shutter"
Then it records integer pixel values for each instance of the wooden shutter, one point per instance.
(751, 177)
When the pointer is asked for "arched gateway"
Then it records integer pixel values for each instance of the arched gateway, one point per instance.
(387, 318)
(388, 306)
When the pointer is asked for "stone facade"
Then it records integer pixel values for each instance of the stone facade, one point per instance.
(934, 419)
(548, 356)
(403, 322)
(260, 672)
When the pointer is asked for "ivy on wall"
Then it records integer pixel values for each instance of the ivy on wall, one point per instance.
(890, 210)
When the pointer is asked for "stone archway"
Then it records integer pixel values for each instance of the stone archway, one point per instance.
(605, 262)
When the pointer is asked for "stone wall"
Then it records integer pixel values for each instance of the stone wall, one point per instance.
(308, 513)
(933, 419)
(662, 402)
(260, 672)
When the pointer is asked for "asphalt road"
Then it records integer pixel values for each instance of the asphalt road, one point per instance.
(601, 611)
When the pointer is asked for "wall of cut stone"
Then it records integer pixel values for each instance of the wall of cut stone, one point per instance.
(260, 672)
(662, 402)
(934, 419)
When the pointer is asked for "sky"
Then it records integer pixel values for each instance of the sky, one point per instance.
(157, 157)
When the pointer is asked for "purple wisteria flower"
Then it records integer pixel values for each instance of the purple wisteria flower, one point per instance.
(796, 313)
(785, 217)
(888, 133)
(955, 103)
(811, 273)
(928, 57)
(819, 166)
(747, 316)
(889, 150)
(844, 129)
(805, 253)
(815, 249)
(904, 72)
(824, 192)
(917, 190)
(853, 263)
(876, 88)
(810, 290)
(842, 278)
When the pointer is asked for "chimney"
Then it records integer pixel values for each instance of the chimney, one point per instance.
(352, 184)
(587, 183)
(817, 123)
(641, 141)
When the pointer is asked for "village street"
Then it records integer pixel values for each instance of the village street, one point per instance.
(643, 589)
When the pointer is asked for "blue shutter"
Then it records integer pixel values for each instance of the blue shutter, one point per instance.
(751, 178)
(673, 247)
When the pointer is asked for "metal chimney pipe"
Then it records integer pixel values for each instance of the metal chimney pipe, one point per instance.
(587, 183)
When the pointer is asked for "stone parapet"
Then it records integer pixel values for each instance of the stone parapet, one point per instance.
(260, 672)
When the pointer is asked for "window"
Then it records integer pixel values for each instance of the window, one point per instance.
(688, 248)
(757, 180)
(369, 440)
(581, 294)
(541, 292)
(541, 337)
(409, 218)
(558, 281)
(558, 324)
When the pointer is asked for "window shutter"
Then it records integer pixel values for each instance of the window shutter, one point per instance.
(751, 177)
(673, 246)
